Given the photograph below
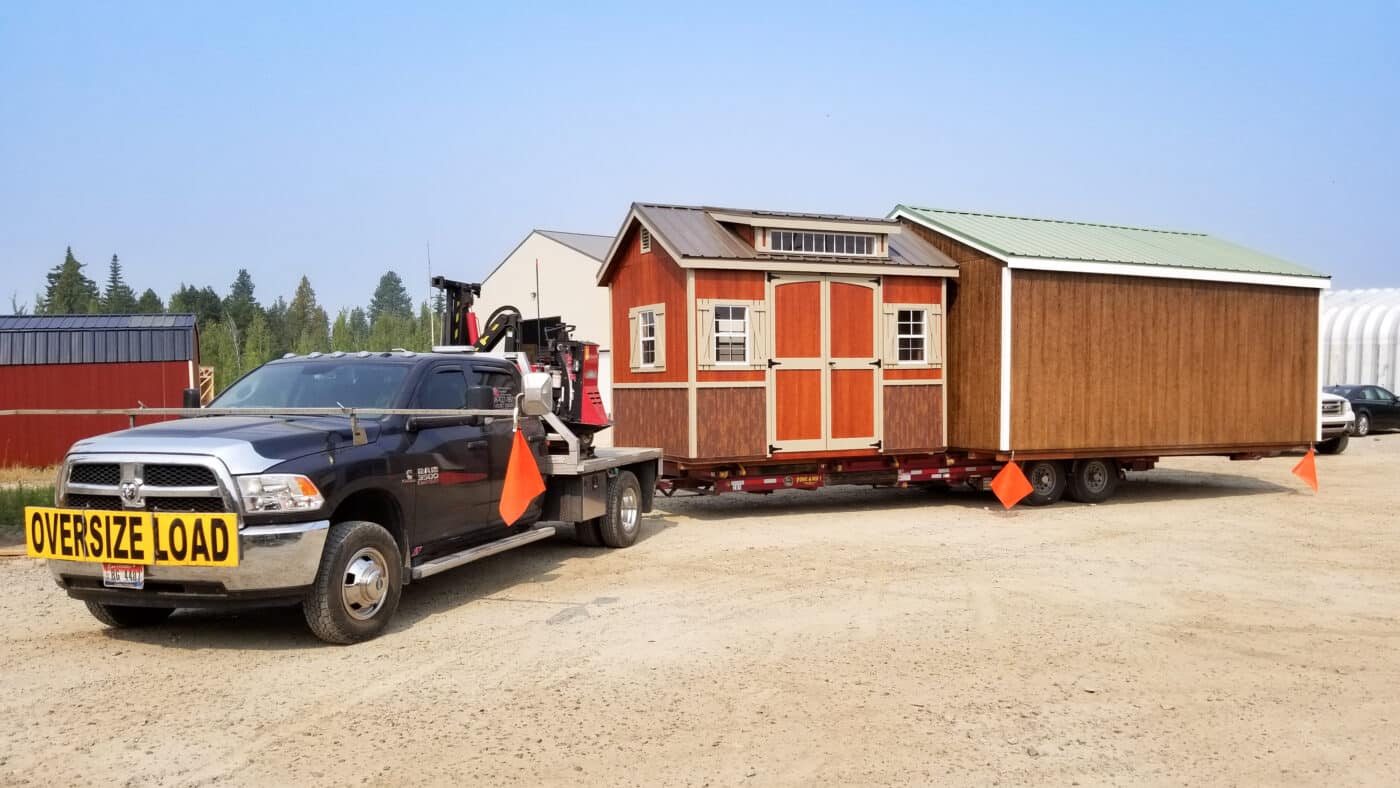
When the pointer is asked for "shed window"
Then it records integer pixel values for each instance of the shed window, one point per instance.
(731, 334)
(911, 326)
(647, 327)
(859, 244)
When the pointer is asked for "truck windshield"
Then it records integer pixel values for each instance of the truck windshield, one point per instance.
(316, 384)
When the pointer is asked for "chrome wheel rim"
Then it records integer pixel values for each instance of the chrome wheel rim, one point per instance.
(1043, 478)
(365, 585)
(1363, 424)
(1095, 477)
(628, 510)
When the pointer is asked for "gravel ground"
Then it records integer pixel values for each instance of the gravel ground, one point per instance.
(1215, 623)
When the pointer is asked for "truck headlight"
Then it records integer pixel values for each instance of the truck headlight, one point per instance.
(1346, 406)
(279, 492)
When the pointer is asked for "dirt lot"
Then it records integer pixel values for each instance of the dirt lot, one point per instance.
(1213, 624)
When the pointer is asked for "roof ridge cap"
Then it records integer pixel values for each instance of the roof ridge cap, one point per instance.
(1102, 225)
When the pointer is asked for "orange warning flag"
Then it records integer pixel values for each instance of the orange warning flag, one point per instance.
(523, 481)
(1011, 485)
(1306, 469)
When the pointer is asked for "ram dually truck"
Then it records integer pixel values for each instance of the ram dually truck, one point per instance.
(330, 481)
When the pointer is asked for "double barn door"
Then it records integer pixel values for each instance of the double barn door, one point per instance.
(823, 380)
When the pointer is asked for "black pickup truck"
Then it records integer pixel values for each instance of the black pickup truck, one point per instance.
(332, 511)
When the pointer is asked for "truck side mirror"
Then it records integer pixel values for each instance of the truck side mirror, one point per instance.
(190, 399)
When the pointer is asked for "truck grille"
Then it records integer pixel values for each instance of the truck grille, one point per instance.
(1331, 408)
(166, 487)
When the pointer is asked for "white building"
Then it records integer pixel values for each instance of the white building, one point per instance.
(1361, 337)
(568, 288)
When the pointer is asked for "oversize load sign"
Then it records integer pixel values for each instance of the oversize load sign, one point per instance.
(132, 537)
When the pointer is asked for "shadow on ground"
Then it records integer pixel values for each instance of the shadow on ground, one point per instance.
(282, 628)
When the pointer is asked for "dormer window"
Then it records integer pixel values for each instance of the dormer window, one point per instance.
(823, 243)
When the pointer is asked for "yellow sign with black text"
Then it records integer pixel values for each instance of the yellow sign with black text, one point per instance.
(131, 537)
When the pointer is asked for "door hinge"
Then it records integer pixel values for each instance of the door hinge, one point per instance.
(876, 280)
(772, 276)
(877, 445)
(877, 363)
(773, 449)
(774, 363)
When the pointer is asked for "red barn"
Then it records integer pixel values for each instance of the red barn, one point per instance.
(87, 361)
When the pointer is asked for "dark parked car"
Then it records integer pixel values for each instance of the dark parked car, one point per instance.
(1376, 408)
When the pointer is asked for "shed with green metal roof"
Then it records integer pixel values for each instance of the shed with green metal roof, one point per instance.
(1076, 340)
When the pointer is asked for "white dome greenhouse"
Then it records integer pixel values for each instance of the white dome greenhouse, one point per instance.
(1361, 337)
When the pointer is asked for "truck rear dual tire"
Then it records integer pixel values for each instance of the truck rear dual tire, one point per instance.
(357, 586)
(126, 616)
(623, 521)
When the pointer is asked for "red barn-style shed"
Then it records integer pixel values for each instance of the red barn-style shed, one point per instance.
(744, 335)
(87, 361)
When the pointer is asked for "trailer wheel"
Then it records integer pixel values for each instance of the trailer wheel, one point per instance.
(588, 533)
(127, 616)
(1047, 479)
(1335, 445)
(1093, 481)
(620, 526)
(357, 587)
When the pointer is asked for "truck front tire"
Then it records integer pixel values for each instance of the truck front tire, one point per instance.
(623, 521)
(126, 616)
(1335, 445)
(357, 586)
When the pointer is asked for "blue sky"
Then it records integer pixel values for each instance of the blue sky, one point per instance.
(339, 139)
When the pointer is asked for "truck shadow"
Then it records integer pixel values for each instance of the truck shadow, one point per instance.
(1150, 487)
(283, 628)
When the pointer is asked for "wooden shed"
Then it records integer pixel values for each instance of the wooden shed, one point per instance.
(1068, 339)
(746, 335)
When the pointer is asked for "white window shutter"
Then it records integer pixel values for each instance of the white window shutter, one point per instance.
(704, 333)
(935, 334)
(890, 326)
(660, 312)
(758, 335)
(634, 348)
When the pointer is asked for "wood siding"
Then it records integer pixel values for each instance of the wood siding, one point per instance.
(731, 423)
(912, 290)
(1112, 362)
(913, 418)
(972, 368)
(740, 286)
(641, 279)
(652, 417)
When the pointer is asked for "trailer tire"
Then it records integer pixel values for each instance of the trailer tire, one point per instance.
(1093, 481)
(623, 521)
(357, 586)
(1048, 481)
(128, 616)
(1335, 445)
(588, 533)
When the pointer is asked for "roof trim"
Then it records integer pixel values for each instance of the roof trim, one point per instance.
(817, 266)
(1163, 272)
(1150, 270)
(545, 235)
(550, 234)
(875, 226)
(633, 213)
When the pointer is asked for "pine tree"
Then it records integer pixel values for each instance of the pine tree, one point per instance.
(359, 329)
(69, 292)
(341, 338)
(257, 343)
(240, 304)
(300, 314)
(149, 303)
(118, 298)
(280, 340)
(390, 298)
(203, 302)
(216, 349)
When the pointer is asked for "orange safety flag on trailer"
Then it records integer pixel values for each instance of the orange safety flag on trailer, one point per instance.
(1011, 485)
(523, 481)
(1306, 469)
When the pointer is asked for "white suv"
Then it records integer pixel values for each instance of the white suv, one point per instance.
(1338, 420)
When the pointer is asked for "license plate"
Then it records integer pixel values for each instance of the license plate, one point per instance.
(124, 576)
(127, 538)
